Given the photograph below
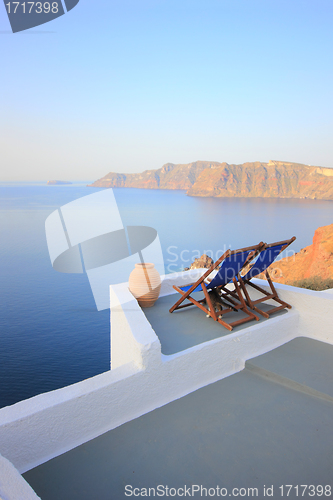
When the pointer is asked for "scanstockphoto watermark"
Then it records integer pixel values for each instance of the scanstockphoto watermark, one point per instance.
(266, 491)
(195, 490)
(177, 259)
(24, 15)
(87, 235)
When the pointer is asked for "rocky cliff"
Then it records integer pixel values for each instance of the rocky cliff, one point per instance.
(312, 261)
(170, 176)
(275, 179)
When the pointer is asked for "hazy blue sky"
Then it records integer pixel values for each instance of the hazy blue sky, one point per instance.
(129, 85)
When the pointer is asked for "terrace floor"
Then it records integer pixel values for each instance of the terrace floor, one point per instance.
(190, 326)
(267, 426)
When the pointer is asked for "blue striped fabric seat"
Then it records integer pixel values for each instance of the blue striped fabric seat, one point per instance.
(264, 260)
(229, 269)
(236, 298)
(231, 262)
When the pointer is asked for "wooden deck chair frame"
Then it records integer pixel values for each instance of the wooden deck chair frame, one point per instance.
(272, 295)
(232, 303)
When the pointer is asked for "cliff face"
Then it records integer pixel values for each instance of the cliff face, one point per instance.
(201, 178)
(267, 180)
(170, 176)
(314, 260)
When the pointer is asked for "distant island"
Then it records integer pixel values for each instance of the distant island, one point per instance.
(275, 179)
(54, 183)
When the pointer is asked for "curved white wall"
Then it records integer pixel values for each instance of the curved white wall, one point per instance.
(142, 379)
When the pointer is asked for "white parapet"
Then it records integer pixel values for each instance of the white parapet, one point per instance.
(142, 378)
(12, 484)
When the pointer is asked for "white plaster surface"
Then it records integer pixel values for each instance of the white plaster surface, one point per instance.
(91, 216)
(142, 379)
(12, 484)
(55, 236)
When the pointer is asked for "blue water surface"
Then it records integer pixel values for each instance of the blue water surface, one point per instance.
(51, 334)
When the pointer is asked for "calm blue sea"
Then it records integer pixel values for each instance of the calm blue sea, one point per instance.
(51, 334)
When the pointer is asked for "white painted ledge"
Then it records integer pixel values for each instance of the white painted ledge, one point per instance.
(12, 484)
(142, 379)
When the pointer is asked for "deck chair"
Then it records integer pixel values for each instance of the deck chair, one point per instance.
(267, 256)
(232, 262)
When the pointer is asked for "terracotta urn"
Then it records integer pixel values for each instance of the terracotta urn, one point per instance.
(145, 284)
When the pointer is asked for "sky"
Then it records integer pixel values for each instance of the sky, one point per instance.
(129, 85)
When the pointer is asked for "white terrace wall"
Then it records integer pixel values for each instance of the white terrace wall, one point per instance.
(142, 379)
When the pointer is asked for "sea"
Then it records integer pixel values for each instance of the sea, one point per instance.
(51, 334)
